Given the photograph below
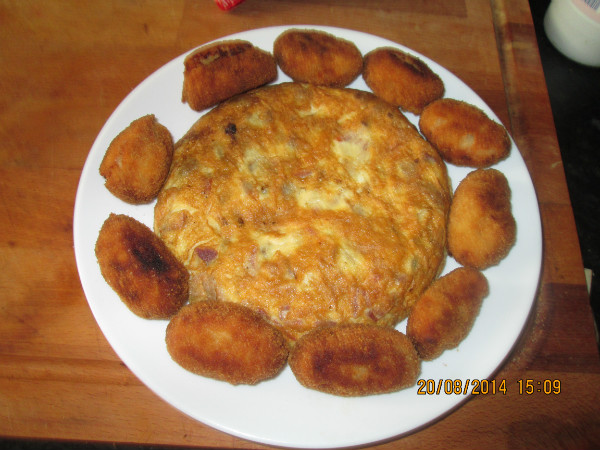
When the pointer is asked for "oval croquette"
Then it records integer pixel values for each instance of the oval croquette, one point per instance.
(137, 161)
(445, 313)
(463, 134)
(401, 79)
(218, 71)
(316, 57)
(140, 268)
(225, 341)
(481, 227)
(355, 360)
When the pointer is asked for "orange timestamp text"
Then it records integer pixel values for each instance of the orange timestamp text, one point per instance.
(485, 387)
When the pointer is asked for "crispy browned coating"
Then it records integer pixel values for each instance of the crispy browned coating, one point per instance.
(223, 69)
(355, 360)
(140, 268)
(137, 161)
(225, 341)
(445, 313)
(463, 134)
(481, 227)
(401, 79)
(316, 57)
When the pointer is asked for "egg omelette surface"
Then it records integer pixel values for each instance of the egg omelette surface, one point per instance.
(310, 205)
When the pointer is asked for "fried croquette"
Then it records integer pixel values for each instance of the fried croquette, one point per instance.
(445, 313)
(463, 134)
(217, 71)
(355, 360)
(481, 227)
(137, 161)
(226, 341)
(401, 79)
(317, 57)
(140, 268)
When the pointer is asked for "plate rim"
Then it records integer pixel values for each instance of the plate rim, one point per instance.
(315, 443)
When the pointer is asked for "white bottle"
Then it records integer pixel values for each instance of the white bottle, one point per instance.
(573, 27)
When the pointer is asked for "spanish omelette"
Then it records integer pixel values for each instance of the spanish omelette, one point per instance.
(311, 205)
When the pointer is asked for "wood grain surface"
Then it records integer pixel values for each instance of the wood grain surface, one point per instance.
(65, 65)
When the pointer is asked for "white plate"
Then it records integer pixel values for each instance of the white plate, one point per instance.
(280, 411)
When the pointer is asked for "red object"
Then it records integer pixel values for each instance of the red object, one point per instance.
(226, 5)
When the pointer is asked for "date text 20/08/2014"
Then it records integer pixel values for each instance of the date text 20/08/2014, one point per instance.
(486, 387)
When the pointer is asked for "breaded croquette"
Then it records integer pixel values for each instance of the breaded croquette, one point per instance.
(481, 227)
(218, 71)
(226, 341)
(140, 268)
(137, 161)
(401, 79)
(445, 313)
(355, 360)
(463, 134)
(316, 57)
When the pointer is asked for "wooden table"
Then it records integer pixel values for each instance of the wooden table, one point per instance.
(64, 67)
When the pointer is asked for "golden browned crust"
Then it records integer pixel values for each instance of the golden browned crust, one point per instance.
(225, 341)
(308, 204)
(463, 134)
(317, 57)
(445, 313)
(355, 360)
(137, 161)
(401, 79)
(140, 268)
(223, 69)
(481, 227)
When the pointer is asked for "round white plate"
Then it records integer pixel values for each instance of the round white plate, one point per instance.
(280, 411)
